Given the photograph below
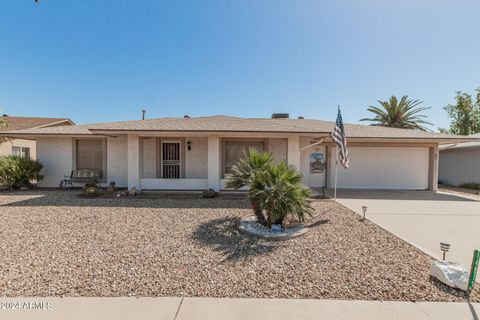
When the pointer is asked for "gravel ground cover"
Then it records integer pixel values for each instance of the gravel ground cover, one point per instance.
(250, 226)
(54, 243)
(462, 191)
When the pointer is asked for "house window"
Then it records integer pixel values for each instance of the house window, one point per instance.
(90, 154)
(236, 150)
(16, 151)
(26, 152)
(21, 152)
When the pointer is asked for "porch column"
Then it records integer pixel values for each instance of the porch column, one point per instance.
(214, 162)
(133, 161)
(433, 168)
(293, 151)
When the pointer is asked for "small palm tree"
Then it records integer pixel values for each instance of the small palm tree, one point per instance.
(399, 114)
(279, 190)
(243, 174)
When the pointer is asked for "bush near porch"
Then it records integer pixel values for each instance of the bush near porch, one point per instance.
(16, 172)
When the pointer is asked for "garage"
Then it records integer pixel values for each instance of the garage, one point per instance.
(385, 168)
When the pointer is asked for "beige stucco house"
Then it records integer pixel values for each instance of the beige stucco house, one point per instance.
(24, 147)
(196, 153)
(460, 162)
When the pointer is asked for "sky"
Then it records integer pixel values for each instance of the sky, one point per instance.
(96, 61)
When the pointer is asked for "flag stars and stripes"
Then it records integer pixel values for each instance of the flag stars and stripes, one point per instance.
(338, 136)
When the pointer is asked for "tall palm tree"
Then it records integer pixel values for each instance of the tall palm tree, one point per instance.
(399, 114)
(244, 172)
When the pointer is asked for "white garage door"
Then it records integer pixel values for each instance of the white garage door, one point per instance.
(385, 168)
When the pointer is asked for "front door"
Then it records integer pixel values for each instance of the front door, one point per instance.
(171, 163)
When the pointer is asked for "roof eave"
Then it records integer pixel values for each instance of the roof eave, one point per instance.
(53, 123)
(213, 132)
(34, 136)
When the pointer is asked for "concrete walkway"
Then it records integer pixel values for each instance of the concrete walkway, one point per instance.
(230, 309)
(423, 218)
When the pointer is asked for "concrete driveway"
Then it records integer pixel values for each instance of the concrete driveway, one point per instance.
(423, 218)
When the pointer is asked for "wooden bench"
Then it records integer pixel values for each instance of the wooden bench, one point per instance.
(81, 176)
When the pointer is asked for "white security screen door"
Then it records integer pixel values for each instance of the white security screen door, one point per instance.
(171, 164)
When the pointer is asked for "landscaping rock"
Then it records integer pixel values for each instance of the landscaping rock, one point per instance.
(92, 192)
(133, 191)
(210, 193)
(55, 244)
(88, 185)
(111, 187)
(277, 228)
(452, 274)
(250, 226)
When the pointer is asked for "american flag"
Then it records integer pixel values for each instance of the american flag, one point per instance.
(338, 136)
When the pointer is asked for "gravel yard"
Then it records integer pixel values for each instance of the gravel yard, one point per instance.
(54, 243)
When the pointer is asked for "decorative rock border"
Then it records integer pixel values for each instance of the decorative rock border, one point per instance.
(251, 227)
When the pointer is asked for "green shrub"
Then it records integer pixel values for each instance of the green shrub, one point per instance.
(244, 172)
(16, 172)
(471, 185)
(279, 191)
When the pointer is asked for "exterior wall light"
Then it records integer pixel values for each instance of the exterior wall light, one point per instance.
(189, 145)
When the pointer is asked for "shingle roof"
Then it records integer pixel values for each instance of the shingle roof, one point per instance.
(462, 145)
(211, 123)
(236, 124)
(19, 123)
(366, 131)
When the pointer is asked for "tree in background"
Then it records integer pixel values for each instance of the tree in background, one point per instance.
(3, 125)
(464, 114)
(403, 113)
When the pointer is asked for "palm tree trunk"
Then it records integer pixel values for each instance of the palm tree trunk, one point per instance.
(258, 213)
(269, 219)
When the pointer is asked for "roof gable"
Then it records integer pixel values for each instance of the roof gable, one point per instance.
(19, 123)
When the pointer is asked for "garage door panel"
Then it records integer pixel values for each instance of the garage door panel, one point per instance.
(386, 168)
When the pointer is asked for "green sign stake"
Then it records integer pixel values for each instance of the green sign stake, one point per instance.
(473, 270)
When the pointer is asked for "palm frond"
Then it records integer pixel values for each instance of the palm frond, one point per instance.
(399, 113)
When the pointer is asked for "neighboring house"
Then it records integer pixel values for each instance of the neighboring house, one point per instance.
(196, 153)
(460, 162)
(23, 147)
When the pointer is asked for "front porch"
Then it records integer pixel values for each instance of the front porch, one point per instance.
(197, 162)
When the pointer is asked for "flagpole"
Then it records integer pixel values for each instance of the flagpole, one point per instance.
(336, 170)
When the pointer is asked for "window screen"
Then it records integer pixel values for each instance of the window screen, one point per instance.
(236, 150)
(90, 154)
